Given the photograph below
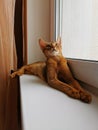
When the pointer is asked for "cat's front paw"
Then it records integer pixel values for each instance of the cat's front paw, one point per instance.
(14, 74)
(85, 97)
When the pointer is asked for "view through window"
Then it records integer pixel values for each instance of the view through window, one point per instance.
(80, 29)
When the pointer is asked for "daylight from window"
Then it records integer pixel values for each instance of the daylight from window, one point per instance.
(80, 29)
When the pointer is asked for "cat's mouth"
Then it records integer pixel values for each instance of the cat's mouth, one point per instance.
(55, 52)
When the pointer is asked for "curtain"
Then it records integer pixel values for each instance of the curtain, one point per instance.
(24, 27)
(8, 58)
(12, 40)
(12, 116)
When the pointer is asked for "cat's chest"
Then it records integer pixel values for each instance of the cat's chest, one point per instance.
(57, 64)
(60, 66)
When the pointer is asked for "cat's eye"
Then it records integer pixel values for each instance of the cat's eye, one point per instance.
(48, 47)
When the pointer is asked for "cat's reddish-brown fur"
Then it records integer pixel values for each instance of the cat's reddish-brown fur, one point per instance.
(55, 71)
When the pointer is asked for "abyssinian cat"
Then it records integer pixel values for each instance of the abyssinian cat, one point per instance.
(55, 71)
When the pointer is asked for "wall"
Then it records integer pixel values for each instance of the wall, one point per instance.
(38, 25)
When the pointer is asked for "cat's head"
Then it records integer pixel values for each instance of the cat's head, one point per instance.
(51, 48)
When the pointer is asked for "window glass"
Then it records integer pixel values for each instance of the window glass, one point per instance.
(80, 29)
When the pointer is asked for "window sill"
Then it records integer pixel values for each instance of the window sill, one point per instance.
(44, 108)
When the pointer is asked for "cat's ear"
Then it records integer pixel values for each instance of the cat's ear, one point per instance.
(59, 40)
(42, 43)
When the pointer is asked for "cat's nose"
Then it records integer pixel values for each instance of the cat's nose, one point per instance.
(54, 49)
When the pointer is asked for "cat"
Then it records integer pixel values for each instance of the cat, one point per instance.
(55, 71)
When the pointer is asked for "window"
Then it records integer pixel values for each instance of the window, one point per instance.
(77, 23)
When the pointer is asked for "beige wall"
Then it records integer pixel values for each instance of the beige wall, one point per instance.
(38, 25)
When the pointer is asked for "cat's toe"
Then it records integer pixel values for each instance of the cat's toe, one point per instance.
(12, 75)
(75, 94)
(85, 97)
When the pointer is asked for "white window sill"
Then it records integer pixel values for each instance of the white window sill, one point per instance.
(44, 108)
